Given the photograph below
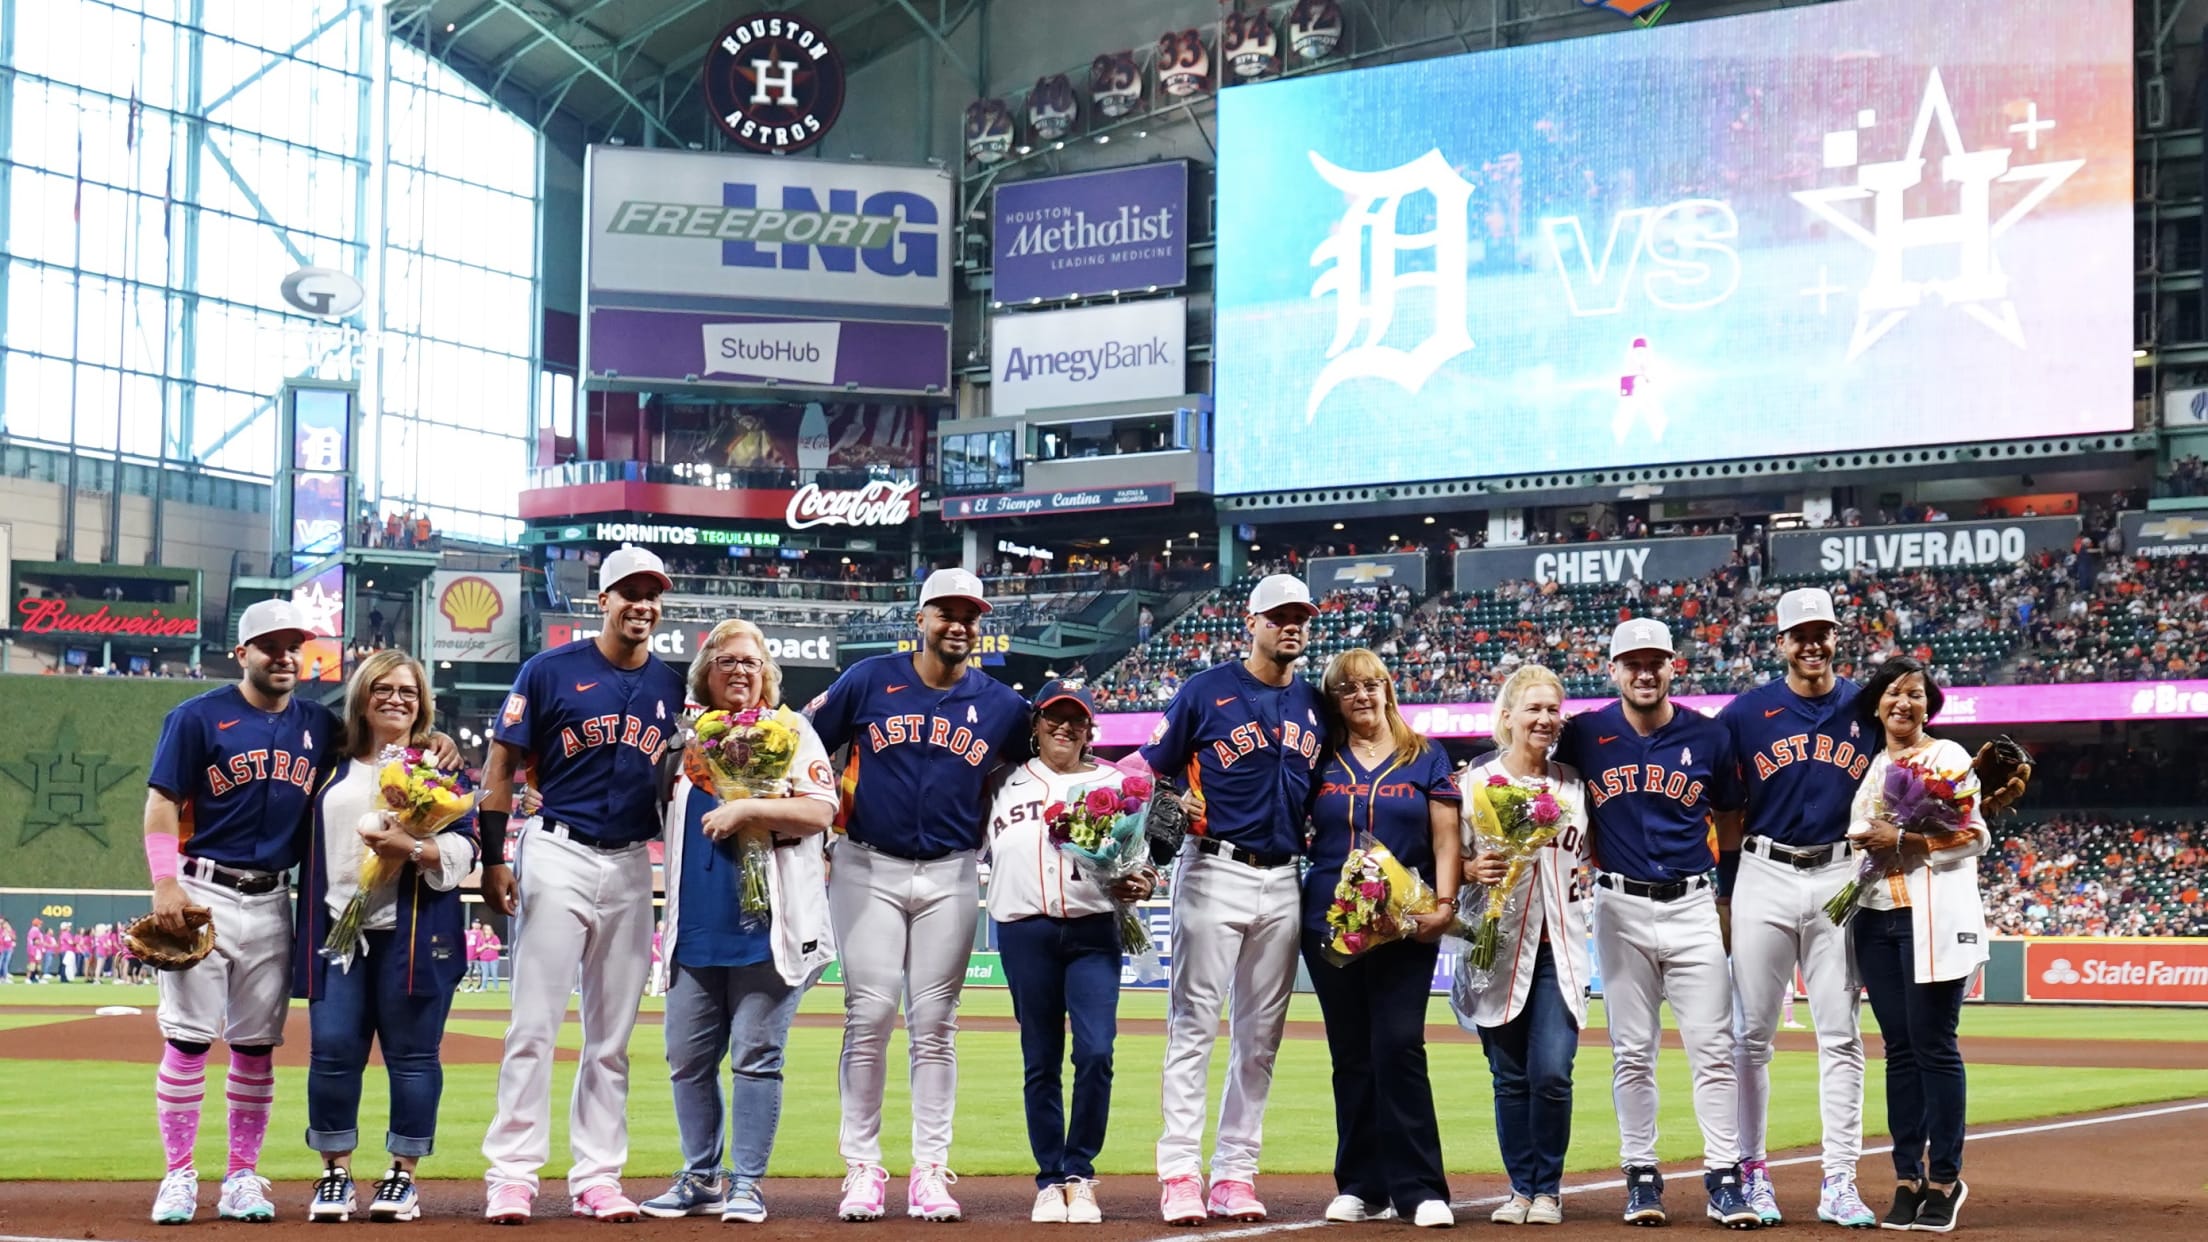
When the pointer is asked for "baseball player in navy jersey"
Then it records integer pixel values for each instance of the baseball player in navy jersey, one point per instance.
(924, 730)
(589, 720)
(1243, 740)
(1802, 754)
(1654, 775)
(227, 806)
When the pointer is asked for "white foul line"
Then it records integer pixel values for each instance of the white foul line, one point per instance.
(1618, 1183)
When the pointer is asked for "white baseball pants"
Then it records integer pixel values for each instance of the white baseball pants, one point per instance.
(585, 908)
(904, 927)
(1778, 922)
(1235, 933)
(241, 991)
(1651, 952)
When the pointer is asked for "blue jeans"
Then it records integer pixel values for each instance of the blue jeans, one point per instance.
(1925, 1087)
(1387, 1141)
(1064, 972)
(5, 954)
(369, 1003)
(1530, 1057)
(743, 1014)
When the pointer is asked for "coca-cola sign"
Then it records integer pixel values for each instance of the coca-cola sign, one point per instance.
(880, 503)
(52, 616)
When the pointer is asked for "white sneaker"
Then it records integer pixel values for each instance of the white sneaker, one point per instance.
(245, 1197)
(1050, 1206)
(1512, 1211)
(1435, 1214)
(1546, 1210)
(178, 1199)
(1349, 1209)
(1081, 1208)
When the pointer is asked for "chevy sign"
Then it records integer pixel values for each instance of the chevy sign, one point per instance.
(1349, 573)
(1123, 352)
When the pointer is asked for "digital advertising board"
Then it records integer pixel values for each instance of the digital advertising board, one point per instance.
(1814, 229)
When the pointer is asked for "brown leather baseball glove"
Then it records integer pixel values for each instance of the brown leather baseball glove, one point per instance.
(163, 949)
(2004, 770)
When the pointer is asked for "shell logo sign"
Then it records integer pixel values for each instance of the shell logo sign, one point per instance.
(470, 604)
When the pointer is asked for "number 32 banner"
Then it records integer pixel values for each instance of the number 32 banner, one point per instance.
(1885, 222)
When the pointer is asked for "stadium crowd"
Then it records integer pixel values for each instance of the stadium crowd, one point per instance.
(2092, 876)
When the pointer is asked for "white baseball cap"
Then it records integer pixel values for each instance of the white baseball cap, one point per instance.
(952, 584)
(1278, 591)
(1803, 605)
(271, 616)
(1640, 634)
(627, 561)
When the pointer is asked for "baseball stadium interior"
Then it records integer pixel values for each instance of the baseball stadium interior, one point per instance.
(1494, 324)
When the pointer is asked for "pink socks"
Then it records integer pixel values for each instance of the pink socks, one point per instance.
(252, 1087)
(179, 1086)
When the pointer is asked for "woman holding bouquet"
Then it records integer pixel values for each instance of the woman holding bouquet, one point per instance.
(1379, 778)
(1920, 933)
(1534, 1004)
(1058, 931)
(734, 976)
(397, 987)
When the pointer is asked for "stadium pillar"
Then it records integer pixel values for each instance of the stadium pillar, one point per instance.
(1233, 557)
(970, 553)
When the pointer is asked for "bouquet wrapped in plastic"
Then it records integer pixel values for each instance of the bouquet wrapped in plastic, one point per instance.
(1913, 799)
(423, 801)
(1374, 900)
(1516, 822)
(1101, 830)
(748, 754)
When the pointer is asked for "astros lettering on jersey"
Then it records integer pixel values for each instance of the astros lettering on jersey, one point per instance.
(1258, 806)
(594, 733)
(1802, 760)
(1652, 796)
(244, 777)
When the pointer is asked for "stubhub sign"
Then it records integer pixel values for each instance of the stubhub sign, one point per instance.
(1122, 352)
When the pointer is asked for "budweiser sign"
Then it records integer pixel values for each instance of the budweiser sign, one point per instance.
(52, 616)
(880, 503)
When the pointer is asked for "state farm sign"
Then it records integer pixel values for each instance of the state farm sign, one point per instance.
(880, 503)
(2130, 972)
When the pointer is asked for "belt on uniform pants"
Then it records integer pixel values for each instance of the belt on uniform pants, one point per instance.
(1672, 891)
(587, 841)
(1248, 858)
(244, 883)
(1800, 859)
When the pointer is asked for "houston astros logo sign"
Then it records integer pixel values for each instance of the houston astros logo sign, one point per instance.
(774, 82)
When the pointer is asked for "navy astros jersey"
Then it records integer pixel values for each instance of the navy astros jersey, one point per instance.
(594, 734)
(1800, 760)
(246, 778)
(913, 785)
(1650, 797)
(1391, 800)
(1250, 749)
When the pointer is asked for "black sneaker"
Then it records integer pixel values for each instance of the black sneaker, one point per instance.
(1941, 1207)
(1729, 1204)
(333, 1196)
(1908, 1198)
(1644, 1195)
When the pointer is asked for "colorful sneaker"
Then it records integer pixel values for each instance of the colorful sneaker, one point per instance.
(693, 1194)
(604, 1202)
(245, 1197)
(396, 1199)
(1755, 1181)
(1081, 1208)
(1234, 1201)
(1644, 1195)
(865, 1188)
(928, 1193)
(1839, 1204)
(1728, 1201)
(1050, 1205)
(1546, 1210)
(1349, 1209)
(745, 1204)
(333, 1196)
(1181, 1200)
(508, 1203)
(1941, 1208)
(178, 1199)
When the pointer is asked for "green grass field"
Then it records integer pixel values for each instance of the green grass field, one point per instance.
(95, 1123)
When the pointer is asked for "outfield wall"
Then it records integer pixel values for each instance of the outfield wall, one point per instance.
(73, 760)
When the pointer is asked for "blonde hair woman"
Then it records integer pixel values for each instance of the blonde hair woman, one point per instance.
(733, 985)
(1381, 778)
(1529, 1017)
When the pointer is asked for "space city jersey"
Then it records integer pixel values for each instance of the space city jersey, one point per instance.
(914, 783)
(245, 778)
(594, 733)
(1650, 798)
(1249, 748)
(1389, 799)
(1801, 760)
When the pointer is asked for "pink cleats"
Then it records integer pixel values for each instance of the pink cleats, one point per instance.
(1181, 1200)
(508, 1204)
(605, 1203)
(865, 1186)
(928, 1193)
(1235, 1201)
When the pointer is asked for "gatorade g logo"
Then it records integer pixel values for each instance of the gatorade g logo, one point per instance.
(774, 82)
(323, 291)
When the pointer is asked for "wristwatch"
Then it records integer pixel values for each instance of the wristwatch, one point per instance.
(415, 855)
